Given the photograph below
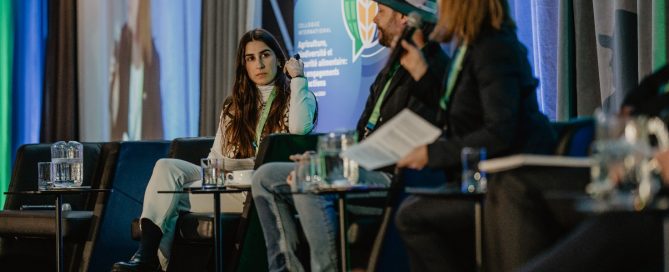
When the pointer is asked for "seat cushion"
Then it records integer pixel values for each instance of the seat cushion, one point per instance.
(42, 224)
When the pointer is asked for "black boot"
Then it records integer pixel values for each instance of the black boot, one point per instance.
(146, 257)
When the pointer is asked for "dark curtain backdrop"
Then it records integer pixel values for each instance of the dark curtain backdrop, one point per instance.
(60, 112)
(223, 22)
(605, 49)
(589, 54)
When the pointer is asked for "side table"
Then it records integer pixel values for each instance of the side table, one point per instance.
(58, 193)
(341, 193)
(216, 192)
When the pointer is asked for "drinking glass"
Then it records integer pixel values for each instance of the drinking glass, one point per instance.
(608, 126)
(307, 175)
(43, 175)
(337, 171)
(621, 173)
(212, 172)
(473, 179)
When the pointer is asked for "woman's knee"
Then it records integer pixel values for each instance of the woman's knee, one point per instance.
(175, 170)
(260, 175)
(165, 165)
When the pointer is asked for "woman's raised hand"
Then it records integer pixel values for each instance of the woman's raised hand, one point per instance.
(294, 68)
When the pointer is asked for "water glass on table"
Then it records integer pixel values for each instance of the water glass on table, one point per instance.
(307, 173)
(212, 172)
(622, 173)
(43, 176)
(473, 179)
(337, 171)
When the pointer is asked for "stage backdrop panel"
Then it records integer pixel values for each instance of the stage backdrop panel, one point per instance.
(338, 42)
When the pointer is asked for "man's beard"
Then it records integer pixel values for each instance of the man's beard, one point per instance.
(385, 40)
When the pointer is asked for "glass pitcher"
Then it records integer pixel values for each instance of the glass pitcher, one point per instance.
(67, 160)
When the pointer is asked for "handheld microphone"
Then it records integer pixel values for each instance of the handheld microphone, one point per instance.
(415, 21)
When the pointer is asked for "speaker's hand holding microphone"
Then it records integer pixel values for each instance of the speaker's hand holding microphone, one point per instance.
(407, 48)
(294, 67)
(413, 59)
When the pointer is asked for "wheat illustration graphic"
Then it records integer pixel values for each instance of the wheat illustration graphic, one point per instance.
(358, 17)
(367, 9)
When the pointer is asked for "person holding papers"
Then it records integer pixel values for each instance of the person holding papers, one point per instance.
(263, 101)
(393, 90)
(489, 101)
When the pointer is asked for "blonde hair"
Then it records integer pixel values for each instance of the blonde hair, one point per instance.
(464, 19)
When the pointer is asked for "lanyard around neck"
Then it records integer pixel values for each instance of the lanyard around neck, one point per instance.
(376, 113)
(453, 75)
(263, 118)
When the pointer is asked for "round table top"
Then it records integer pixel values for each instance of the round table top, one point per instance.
(60, 191)
(226, 189)
(343, 190)
(442, 192)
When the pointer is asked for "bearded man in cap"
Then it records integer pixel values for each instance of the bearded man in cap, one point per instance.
(393, 90)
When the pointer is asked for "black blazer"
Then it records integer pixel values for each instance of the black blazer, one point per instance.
(493, 105)
(404, 92)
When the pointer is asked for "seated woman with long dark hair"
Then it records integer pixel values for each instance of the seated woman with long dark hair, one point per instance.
(260, 83)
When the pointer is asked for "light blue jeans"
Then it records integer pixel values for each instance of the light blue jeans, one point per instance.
(316, 213)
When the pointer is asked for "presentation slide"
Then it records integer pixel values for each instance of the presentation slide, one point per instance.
(338, 42)
(139, 69)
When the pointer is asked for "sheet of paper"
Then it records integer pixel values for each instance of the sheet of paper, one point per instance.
(392, 141)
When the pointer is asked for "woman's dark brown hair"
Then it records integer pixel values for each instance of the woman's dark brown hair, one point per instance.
(464, 20)
(243, 106)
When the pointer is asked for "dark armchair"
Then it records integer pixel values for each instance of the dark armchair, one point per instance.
(110, 240)
(27, 235)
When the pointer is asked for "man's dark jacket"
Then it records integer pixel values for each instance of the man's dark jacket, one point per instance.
(403, 91)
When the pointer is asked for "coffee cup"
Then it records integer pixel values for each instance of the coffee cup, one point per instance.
(240, 177)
